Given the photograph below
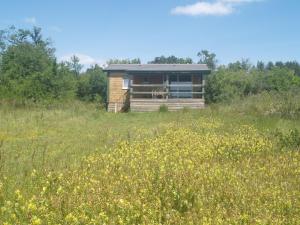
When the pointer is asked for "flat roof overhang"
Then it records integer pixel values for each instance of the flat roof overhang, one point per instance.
(157, 68)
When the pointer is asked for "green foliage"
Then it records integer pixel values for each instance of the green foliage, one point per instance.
(29, 70)
(208, 58)
(278, 79)
(244, 64)
(226, 85)
(291, 65)
(92, 85)
(171, 60)
(268, 103)
(74, 65)
(239, 81)
(124, 61)
(291, 140)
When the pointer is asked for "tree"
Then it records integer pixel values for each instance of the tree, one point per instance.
(260, 65)
(244, 64)
(92, 85)
(36, 36)
(293, 65)
(270, 66)
(171, 60)
(75, 66)
(208, 58)
(29, 69)
(226, 85)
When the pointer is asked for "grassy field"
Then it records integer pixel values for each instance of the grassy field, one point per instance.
(78, 165)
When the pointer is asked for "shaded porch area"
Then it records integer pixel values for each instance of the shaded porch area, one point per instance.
(148, 91)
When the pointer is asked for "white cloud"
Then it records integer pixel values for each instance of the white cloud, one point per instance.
(204, 8)
(30, 20)
(84, 59)
(239, 1)
(55, 29)
(208, 8)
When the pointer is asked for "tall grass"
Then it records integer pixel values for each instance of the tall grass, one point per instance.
(76, 164)
(282, 104)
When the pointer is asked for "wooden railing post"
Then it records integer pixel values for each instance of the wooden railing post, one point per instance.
(203, 87)
(167, 87)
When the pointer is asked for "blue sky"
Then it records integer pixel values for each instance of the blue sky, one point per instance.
(97, 30)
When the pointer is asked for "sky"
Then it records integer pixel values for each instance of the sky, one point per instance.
(98, 30)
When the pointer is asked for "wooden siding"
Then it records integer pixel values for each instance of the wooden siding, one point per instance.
(116, 93)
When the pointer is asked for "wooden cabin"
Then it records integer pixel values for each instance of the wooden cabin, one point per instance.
(146, 87)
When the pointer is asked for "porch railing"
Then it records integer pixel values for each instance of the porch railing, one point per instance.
(166, 91)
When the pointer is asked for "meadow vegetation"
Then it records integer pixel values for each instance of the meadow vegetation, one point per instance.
(64, 160)
(76, 164)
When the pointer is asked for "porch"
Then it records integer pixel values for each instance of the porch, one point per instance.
(175, 90)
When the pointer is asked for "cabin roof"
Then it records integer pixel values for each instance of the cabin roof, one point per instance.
(157, 67)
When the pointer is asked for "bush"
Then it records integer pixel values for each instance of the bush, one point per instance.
(285, 104)
(226, 85)
(29, 72)
(92, 85)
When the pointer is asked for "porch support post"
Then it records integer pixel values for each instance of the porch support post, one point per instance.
(130, 87)
(167, 86)
(192, 77)
(203, 84)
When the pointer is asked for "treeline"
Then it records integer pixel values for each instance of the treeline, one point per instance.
(234, 82)
(29, 71)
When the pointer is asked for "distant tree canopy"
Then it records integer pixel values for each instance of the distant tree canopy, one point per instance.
(208, 58)
(244, 64)
(205, 58)
(241, 79)
(171, 60)
(74, 65)
(124, 61)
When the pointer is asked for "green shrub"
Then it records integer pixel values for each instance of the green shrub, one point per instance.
(92, 85)
(284, 104)
(227, 85)
(290, 140)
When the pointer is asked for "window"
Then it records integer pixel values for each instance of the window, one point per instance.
(126, 82)
(181, 86)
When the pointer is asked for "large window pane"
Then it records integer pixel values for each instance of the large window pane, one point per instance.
(185, 78)
(181, 86)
